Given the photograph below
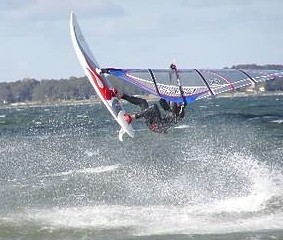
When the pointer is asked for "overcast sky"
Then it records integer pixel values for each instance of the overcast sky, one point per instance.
(35, 40)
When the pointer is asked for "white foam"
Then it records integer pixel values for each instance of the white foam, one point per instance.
(91, 153)
(263, 188)
(182, 126)
(100, 169)
(233, 214)
(147, 220)
(279, 121)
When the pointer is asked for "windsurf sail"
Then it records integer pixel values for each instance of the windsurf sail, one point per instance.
(196, 83)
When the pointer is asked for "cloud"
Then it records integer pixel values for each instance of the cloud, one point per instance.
(42, 10)
(219, 3)
(11, 5)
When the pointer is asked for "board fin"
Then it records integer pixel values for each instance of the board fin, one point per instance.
(121, 133)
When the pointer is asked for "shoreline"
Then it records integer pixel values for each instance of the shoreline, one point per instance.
(149, 98)
(249, 94)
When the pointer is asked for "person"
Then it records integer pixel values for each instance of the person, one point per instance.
(173, 66)
(155, 121)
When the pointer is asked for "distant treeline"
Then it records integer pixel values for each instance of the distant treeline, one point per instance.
(32, 90)
(74, 88)
(258, 67)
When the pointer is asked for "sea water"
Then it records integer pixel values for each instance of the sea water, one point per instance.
(217, 175)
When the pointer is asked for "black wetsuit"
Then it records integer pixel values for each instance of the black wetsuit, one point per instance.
(152, 115)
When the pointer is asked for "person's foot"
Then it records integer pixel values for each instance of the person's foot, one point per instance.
(115, 93)
(128, 118)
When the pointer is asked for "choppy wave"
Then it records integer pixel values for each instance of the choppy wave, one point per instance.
(151, 220)
(220, 174)
(257, 206)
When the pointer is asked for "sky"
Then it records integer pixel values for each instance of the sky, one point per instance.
(35, 40)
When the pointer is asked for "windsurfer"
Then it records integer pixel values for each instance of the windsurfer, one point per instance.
(156, 121)
(173, 66)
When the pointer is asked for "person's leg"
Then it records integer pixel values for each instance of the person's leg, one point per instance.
(174, 108)
(151, 113)
(142, 103)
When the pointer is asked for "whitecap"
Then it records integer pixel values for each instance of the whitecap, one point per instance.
(279, 121)
(95, 170)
